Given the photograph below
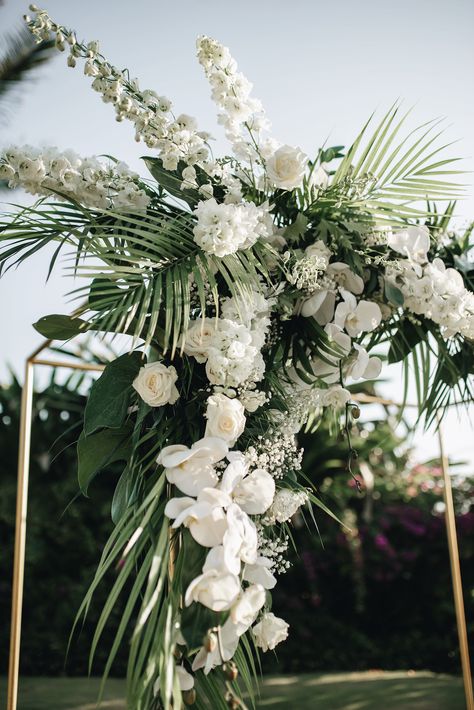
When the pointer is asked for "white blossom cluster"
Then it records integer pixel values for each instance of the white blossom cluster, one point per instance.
(430, 288)
(175, 138)
(65, 174)
(231, 90)
(216, 510)
(230, 346)
(223, 229)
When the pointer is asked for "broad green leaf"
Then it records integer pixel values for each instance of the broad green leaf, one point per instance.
(171, 180)
(60, 327)
(96, 451)
(393, 294)
(110, 394)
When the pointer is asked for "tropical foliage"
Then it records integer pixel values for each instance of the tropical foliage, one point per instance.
(254, 288)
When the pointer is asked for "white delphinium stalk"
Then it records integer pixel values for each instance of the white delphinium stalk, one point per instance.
(241, 115)
(175, 138)
(64, 174)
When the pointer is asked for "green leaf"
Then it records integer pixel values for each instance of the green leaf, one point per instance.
(110, 394)
(98, 450)
(298, 228)
(404, 341)
(60, 327)
(170, 180)
(393, 294)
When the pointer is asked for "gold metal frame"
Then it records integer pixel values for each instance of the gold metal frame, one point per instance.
(21, 519)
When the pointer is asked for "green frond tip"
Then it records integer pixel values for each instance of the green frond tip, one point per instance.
(20, 55)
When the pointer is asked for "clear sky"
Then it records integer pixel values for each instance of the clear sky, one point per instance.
(320, 69)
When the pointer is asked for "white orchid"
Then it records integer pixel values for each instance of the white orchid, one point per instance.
(240, 539)
(260, 573)
(214, 589)
(205, 517)
(254, 491)
(357, 317)
(328, 369)
(345, 278)
(412, 242)
(244, 611)
(192, 469)
(364, 366)
(223, 652)
(320, 305)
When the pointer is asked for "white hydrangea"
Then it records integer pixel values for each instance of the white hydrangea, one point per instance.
(232, 359)
(436, 292)
(64, 174)
(285, 504)
(223, 229)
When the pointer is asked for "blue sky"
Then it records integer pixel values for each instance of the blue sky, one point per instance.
(320, 69)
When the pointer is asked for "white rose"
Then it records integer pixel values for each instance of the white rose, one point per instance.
(225, 418)
(270, 631)
(192, 469)
(213, 589)
(155, 383)
(198, 338)
(286, 167)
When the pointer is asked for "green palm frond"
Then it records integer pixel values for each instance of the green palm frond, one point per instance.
(20, 55)
(143, 267)
(397, 176)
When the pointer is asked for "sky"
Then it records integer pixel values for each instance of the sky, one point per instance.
(320, 69)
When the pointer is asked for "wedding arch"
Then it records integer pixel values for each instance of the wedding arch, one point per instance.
(258, 289)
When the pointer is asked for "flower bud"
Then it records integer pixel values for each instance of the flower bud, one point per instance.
(189, 696)
(231, 671)
(33, 8)
(355, 411)
(71, 61)
(72, 39)
(210, 642)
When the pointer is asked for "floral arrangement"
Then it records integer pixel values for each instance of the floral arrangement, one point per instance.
(254, 288)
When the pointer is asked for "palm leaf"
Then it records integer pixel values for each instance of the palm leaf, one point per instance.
(20, 57)
(142, 266)
(395, 180)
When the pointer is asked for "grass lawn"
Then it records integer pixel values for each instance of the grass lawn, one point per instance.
(372, 690)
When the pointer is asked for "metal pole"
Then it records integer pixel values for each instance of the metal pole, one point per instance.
(20, 535)
(22, 508)
(456, 573)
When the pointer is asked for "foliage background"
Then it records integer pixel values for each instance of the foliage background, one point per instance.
(378, 596)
